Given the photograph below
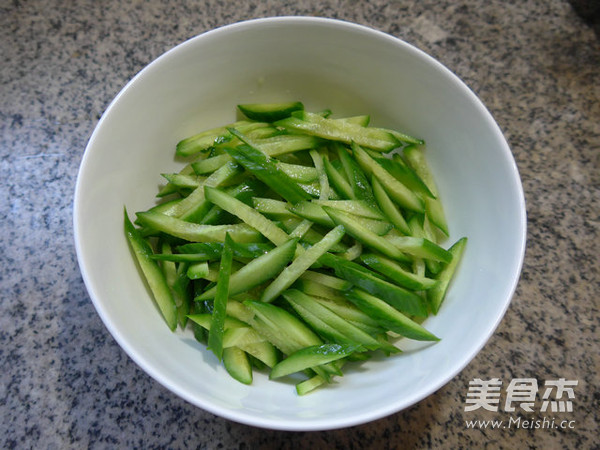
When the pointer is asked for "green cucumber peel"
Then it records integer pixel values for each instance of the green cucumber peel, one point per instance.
(312, 356)
(388, 317)
(152, 273)
(217, 325)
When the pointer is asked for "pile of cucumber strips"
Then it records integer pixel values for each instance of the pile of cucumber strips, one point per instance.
(294, 242)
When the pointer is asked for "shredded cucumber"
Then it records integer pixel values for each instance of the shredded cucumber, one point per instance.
(298, 243)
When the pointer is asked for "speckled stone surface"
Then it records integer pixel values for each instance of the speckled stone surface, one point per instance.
(65, 383)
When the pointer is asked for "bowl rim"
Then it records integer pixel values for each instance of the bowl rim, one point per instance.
(245, 417)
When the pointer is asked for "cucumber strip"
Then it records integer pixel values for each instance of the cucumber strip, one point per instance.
(163, 207)
(388, 317)
(210, 251)
(311, 236)
(299, 173)
(301, 230)
(255, 362)
(433, 206)
(286, 143)
(431, 232)
(237, 364)
(353, 252)
(237, 337)
(323, 329)
(309, 385)
(169, 188)
(419, 267)
(334, 261)
(265, 169)
(240, 335)
(258, 270)
(200, 143)
(311, 189)
(152, 273)
(434, 234)
(182, 294)
(197, 233)
(195, 204)
(263, 351)
(247, 214)
(244, 192)
(361, 187)
(237, 333)
(204, 320)
(324, 190)
(326, 280)
(301, 264)
(213, 273)
(180, 181)
(349, 312)
(205, 140)
(400, 298)
(286, 332)
(169, 268)
(247, 295)
(395, 272)
(363, 120)
(407, 138)
(420, 248)
(197, 270)
(262, 133)
(436, 295)
(269, 112)
(328, 323)
(197, 308)
(346, 132)
(364, 235)
(339, 183)
(375, 155)
(356, 207)
(405, 174)
(239, 311)
(388, 207)
(417, 229)
(403, 196)
(310, 287)
(315, 212)
(310, 357)
(272, 207)
(272, 146)
(211, 164)
(217, 324)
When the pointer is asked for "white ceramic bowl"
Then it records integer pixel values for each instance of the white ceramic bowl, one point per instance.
(326, 64)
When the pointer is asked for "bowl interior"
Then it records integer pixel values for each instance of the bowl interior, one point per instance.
(326, 64)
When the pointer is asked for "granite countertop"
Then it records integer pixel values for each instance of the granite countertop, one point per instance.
(65, 383)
